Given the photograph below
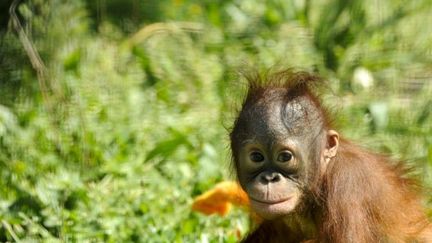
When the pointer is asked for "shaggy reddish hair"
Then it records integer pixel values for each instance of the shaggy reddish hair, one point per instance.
(362, 197)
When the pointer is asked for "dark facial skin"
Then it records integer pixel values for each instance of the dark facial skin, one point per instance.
(276, 154)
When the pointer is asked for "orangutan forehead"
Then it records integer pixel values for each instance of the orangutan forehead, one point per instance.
(276, 116)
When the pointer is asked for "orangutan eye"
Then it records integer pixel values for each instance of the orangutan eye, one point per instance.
(285, 156)
(256, 156)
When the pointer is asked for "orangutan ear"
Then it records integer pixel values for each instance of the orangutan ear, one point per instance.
(332, 144)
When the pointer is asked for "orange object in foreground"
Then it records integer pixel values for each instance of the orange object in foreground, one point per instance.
(219, 199)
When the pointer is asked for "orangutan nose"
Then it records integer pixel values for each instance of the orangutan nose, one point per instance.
(269, 177)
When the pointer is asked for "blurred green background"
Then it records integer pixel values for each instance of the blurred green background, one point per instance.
(114, 113)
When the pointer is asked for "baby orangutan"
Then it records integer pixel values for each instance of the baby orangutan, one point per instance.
(306, 182)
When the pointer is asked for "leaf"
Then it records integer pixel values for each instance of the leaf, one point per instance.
(379, 114)
(144, 61)
(7, 120)
(71, 62)
(425, 113)
(429, 157)
(167, 147)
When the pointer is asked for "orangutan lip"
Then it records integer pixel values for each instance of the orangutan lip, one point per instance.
(270, 202)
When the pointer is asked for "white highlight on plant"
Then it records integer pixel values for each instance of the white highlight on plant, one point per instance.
(363, 78)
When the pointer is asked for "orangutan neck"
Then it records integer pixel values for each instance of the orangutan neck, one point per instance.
(304, 222)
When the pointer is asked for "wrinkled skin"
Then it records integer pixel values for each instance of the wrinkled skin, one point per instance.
(277, 161)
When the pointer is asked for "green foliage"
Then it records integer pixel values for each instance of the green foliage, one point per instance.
(132, 127)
